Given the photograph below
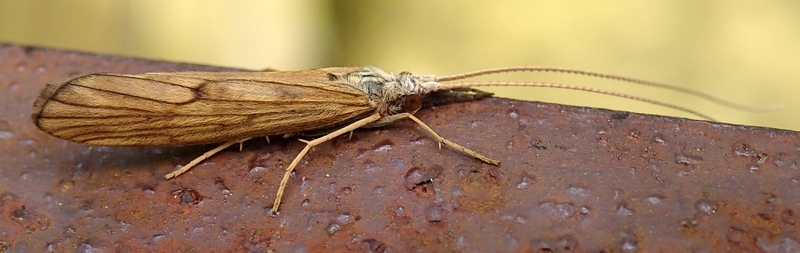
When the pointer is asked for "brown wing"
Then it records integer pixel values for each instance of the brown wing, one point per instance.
(195, 107)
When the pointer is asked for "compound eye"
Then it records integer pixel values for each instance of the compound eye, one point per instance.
(412, 104)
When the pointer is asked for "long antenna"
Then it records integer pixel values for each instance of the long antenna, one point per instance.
(452, 85)
(705, 96)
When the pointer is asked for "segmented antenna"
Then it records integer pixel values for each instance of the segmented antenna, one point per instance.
(447, 82)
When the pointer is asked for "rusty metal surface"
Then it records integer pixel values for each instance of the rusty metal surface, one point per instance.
(571, 179)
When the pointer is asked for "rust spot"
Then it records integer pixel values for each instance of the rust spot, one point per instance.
(418, 177)
(188, 197)
(618, 115)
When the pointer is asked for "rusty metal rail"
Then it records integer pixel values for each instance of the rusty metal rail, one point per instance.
(571, 179)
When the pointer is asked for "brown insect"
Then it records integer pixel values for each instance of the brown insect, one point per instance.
(180, 108)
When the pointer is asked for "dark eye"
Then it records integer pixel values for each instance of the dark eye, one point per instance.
(332, 77)
(412, 104)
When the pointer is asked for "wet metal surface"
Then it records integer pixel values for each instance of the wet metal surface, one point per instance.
(571, 179)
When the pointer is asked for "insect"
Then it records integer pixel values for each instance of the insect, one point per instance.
(181, 108)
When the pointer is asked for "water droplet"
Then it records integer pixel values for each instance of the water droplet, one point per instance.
(5, 130)
(686, 159)
(420, 141)
(513, 114)
(344, 219)
(578, 191)
(560, 210)
(623, 211)
(778, 162)
(198, 230)
(752, 168)
(541, 121)
(124, 227)
(654, 170)
(705, 206)
(413, 177)
(222, 187)
(417, 176)
(6, 134)
(783, 243)
(159, 237)
(628, 245)
(512, 243)
(742, 149)
(378, 191)
(372, 167)
(769, 198)
(305, 185)
(525, 182)
(258, 170)
(688, 223)
(787, 216)
(399, 211)
(383, 148)
(434, 213)
(683, 173)
(333, 227)
(87, 248)
(567, 243)
(654, 199)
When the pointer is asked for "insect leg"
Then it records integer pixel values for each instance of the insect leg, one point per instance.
(446, 142)
(311, 144)
(201, 158)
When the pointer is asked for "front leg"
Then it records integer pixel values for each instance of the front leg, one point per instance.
(389, 119)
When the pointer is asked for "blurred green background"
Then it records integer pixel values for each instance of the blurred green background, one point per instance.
(743, 51)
